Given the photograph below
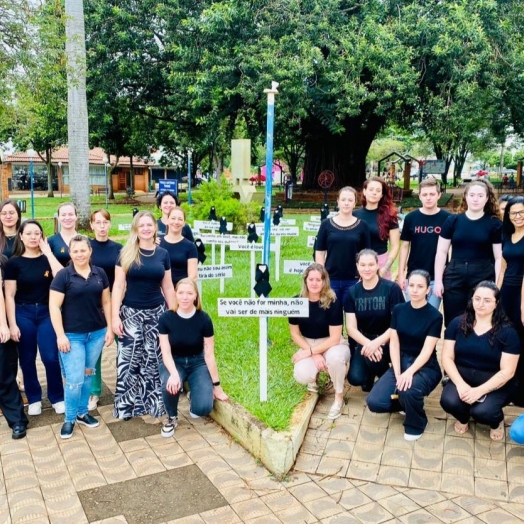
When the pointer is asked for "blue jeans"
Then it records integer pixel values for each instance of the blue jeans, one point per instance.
(193, 370)
(79, 368)
(425, 380)
(37, 333)
(341, 289)
(432, 298)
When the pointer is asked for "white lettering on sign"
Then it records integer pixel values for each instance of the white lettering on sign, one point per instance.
(285, 231)
(311, 241)
(249, 246)
(211, 224)
(209, 238)
(211, 272)
(287, 222)
(311, 226)
(296, 267)
(124, 227)
(263, 307)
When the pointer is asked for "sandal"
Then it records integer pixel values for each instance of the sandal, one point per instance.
(461, 428)
(498, 433)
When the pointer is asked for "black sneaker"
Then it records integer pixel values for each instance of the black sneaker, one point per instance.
(19, 431)
(168, 427)
(88, 420)
(67, 430)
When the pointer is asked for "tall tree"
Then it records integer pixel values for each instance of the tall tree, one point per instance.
(77, 117)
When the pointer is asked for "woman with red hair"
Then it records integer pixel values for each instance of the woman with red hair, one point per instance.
(380, 214)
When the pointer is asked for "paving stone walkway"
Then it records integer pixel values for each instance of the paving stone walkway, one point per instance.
(357, 469)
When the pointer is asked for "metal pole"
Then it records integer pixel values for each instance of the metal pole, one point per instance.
(189, 177)
(269, 168)
(107, 186)
(31, 177)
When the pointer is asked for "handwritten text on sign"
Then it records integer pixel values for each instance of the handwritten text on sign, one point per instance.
(208, 238)
(263, 307)
(211, 224)
(296, 267)
(247, 246)
(210, 272)
(311, 241)
(311, 226)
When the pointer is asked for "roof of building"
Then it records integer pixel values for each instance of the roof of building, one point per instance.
(96, 157)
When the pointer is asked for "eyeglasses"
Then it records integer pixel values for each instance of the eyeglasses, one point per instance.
(516, 214)
(480, 300)
(8, 213)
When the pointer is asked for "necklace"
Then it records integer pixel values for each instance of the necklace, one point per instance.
(144, 255)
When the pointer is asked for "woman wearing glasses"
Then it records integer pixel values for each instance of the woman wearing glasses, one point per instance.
(480, 356)
(511, 277)
(104, 254)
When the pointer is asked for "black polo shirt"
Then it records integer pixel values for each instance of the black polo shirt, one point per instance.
(82, 310)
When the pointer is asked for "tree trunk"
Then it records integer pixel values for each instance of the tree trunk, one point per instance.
(344, 153)
(131, 173)
(77, 120)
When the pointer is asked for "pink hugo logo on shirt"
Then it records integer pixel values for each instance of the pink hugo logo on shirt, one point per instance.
(428, 229)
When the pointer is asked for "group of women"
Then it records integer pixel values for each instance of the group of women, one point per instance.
(392, 343)
(69, 295)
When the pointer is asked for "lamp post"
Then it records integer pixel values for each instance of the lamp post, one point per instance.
(31, 153)
(189, 153)
(106, 164)
(60, 177)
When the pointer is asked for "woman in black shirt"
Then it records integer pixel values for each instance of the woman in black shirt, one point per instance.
(475, 236)
(415, 373)
(368, 316)
(188, 354)
(67, 218)
(142, 287)
(511, 278)
(166, 201)
(182, 252)
(104, 254)
(28, 275)
(319, 337)
(480, 356)
(80, 308)
(338, 241)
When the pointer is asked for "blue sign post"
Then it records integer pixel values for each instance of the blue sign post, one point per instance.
(167, 185)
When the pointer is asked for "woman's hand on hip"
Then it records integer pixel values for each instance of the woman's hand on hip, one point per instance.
(219, 394)
(63, 344)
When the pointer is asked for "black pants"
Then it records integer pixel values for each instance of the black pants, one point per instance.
(510, 299)
(460, 278)
(363, 371)
(488, 412)
(425, 380)
(10, 399)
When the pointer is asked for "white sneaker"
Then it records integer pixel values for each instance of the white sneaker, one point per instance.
(34, 409)
(335, 411)
(59, 407)
(411, 438)
(192, 415)
(169, 426)
(93, 402)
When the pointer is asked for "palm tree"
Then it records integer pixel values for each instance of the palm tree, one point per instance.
(77, 122)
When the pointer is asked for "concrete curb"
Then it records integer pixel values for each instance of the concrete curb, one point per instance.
(277, 450)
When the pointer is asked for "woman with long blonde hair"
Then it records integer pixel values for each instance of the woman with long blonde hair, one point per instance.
(141, 290)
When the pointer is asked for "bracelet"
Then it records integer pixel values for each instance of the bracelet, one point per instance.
(217, 383)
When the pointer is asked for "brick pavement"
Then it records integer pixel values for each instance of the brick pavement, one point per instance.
(357, 469)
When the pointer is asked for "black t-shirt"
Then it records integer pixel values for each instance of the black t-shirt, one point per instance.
(143, 282)
(33, 277)
(472, 239)
(422, 231)
(179, 254)
(82, 310)
(319, 320)
(373, 307)
(370, 217)
(9, 246)
(186, 230)
(59, 248)
(414, 325)
(104, 255)
(514, 256)
(476, 352)
(342, 245)
(186, 335)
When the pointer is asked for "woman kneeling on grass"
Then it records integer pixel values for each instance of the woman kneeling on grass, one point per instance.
(319, 337)
(80, 309)
(415, 373)
(480, 356)
(188, 353)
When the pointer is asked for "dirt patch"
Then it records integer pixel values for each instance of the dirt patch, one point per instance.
(155, 498)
